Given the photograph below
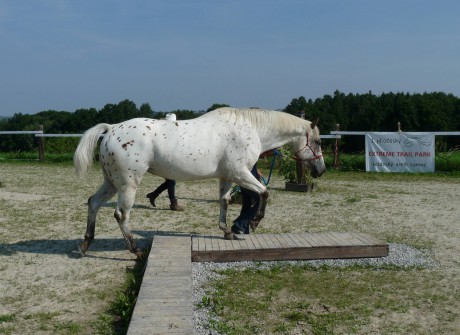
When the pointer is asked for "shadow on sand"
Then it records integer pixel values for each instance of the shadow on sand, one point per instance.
(70, 247)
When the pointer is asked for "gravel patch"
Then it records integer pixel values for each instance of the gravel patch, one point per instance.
(400, 255)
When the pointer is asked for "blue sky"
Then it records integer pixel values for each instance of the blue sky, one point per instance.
(186, 54)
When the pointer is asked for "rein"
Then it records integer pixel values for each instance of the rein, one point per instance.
(307, 145)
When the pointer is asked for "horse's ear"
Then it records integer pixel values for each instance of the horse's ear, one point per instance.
(314, 123)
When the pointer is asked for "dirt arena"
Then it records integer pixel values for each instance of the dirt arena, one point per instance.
(46, 287)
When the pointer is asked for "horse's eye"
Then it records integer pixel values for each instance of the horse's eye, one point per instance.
(318, 143)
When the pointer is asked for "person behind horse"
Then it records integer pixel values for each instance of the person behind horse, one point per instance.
(168, 184)
(251, 201)
(250, 204)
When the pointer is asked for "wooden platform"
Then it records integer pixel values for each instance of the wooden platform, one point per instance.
(265, 247)
(165, 304)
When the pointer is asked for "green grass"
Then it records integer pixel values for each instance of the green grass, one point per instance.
(290, 299)
(7, 318)
(116, 319)
(444, 161)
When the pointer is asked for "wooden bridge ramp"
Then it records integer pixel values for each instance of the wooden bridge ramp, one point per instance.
(165, 304)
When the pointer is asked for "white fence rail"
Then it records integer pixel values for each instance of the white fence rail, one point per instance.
(14, 132)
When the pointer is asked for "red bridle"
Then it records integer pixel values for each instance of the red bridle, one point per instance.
(307, 145)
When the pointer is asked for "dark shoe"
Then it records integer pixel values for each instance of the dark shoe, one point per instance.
(152, 197)
(175, 206)
(236, 231)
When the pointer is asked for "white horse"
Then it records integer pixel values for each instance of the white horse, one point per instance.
(224, 143)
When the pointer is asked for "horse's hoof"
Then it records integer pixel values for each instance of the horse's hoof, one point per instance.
(140, 254)
(254, 224)
(83, 247)
(230, 236)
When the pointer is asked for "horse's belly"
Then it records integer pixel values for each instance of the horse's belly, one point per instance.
(188, 169)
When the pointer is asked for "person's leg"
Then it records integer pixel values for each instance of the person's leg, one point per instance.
(174, 206)
(249, 208)
(153, 195)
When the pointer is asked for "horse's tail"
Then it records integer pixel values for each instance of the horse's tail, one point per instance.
(83, 157)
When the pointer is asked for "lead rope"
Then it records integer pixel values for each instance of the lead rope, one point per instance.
(275, 153)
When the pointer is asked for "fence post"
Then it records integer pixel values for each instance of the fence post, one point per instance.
(336, 151)
(300, 168)
(41, 146)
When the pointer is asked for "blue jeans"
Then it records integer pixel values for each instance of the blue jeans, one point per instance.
(250, 206)
(249, 209)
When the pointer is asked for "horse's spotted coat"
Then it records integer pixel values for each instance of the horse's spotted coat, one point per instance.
(223, 144)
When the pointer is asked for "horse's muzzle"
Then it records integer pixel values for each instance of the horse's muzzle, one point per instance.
(315, 173)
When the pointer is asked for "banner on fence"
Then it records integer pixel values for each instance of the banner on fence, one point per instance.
(400, 152)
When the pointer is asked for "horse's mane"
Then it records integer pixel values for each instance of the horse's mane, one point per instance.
(265, 120)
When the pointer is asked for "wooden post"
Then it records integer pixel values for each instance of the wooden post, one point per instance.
(399, 126)
(41, 146)
(336, 151)
(300, 168)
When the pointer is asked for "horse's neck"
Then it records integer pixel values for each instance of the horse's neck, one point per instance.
(280, 136)
(273, 142)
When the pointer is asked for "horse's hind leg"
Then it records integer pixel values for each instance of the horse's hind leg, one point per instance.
(126, 199)
(105, 192)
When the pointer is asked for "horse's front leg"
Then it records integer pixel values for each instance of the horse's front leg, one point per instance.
(248, 181)
(224, 199)
(260, 212)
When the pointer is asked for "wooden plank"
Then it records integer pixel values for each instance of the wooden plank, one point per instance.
(243, 242)
(250, 242)
(334, 240)
(296, 246)
(369, 238)
(221, 243)
(350, 239)
(290, 240)
(195, 242)
(214, 244)
(284, 241)
(318, 240)
(296, 240)
(306, 240)
(267, 241)
(208, 243)
(343, 239)
(256, 241)
(275, 241)
(165, 303)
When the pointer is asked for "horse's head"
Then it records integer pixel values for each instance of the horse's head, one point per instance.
(307, 148)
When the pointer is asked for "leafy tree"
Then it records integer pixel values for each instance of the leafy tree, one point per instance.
(215, 106)
(296, 106)
(146, 111)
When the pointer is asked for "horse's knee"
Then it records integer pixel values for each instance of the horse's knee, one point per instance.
(264, 196)
(119, 215)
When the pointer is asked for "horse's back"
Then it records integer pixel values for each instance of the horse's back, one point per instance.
(200, 148)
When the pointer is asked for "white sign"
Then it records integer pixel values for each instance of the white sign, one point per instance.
(400, 152)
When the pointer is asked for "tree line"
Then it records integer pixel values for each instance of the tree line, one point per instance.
(369, 112)
(355, 112)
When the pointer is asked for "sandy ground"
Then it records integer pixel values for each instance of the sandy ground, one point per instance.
(46, 287)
